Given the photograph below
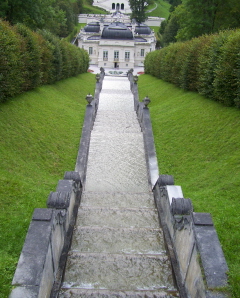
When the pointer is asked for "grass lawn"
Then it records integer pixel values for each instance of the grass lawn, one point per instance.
(75, 32)
(39, 138)
(198, 142)
(87, 8)
(162, 9)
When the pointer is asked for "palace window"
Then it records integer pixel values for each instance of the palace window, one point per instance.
(105, 55)
(116, 55)
(90, 50)
(127, 56)
(142, 52)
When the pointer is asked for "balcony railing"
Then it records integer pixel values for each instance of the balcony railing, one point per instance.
(105, 58)
(116, 59)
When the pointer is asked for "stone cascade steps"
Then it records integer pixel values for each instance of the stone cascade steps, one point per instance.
(118, 246)
(118, 240)
(118, 271)
(86, 293)
(117, 200)
(117, 217)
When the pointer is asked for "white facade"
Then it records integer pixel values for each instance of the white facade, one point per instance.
(113, 5)
(117, 44)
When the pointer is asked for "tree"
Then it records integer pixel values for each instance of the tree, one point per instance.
(57, 16)
(174, 3)
(196, 18)
(170, 31)
(138, 9)
(206, 16)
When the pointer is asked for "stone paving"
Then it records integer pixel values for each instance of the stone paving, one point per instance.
(118, 248)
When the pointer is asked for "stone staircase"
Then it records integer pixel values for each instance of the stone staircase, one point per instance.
(117, 247)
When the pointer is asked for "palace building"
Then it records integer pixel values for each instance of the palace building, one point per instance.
(115, 41)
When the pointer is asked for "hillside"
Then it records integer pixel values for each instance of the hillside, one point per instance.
(198, 142)
(39, 137)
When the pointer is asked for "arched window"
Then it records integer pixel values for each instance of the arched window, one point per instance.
(122, 6)
(113, 5)
(118, 6)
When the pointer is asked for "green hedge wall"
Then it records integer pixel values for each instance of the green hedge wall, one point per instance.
(29, 59)
(209, 65)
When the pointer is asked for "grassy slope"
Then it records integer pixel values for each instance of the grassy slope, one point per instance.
(87, 8)
(39, 138)
(162, 9)
(198, 142)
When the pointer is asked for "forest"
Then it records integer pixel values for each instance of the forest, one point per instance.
(57, 16)
(187, 18)
(191, 18)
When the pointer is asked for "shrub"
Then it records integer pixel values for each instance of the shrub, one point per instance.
(55, 64)
(30, 56)
(209, 64)
(227, 78)
(10, 62)
(66, 59)
(46, 55)
(29, 59)
(189, 70)
(208, 61)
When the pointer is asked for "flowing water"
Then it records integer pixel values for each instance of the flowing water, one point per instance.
(118, 247)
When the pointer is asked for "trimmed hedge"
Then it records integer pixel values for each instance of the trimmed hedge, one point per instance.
(11, 64)
(209, 64)
(29, 59)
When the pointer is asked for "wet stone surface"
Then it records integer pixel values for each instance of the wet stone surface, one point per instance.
(117, 218)
(117, 163)
(114, 271)
(118, 240)
(117, 200)
(118, 247)
(85, 293)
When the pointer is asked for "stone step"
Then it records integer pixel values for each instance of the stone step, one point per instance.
(85, 293)
(117, 218)
(119, 115)
(111, 118)
(116, 128)
(131, 143)
(115, 83)
(114, 89)
(116, 100)
(118, 240)
(106, 120)
(117, 139)
(117, 199)
(116, 162)
(118, 272)
(114, 105)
